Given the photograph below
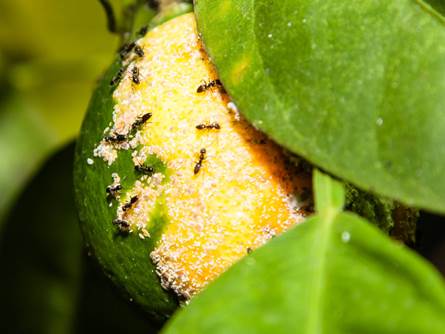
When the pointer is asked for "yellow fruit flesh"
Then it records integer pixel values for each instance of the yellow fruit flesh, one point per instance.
(242, 195)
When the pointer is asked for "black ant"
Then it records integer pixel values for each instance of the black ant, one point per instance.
(135, 75)
(141, 121)
(115, 138)
(210, 126)
(205, 86)
(139, 51)
(127, 206)
(123, 225)
(125, 49)
(117, 77)
(144, 169)
(202, 156)
(113, 190)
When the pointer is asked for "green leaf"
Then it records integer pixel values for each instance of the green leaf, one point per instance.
(330, 195)
(334, 273)
(24, 142)
(355, 87)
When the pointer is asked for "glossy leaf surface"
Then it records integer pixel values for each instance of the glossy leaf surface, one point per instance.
(356, 88)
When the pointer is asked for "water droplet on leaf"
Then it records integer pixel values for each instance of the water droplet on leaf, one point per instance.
(345, 236)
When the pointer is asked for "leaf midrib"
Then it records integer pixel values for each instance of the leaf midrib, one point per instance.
(321, 246)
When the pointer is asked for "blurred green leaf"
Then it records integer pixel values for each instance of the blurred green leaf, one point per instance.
(334, 273)
(51, 53)
(24, 141)
(55, 30)
(57, 92)
(355, 87)
(40, 252)
(54, 51)
(47, 286)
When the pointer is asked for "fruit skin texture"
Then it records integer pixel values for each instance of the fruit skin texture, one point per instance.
(194, 228)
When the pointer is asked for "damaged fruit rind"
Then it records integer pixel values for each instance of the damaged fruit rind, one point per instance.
(172, 184)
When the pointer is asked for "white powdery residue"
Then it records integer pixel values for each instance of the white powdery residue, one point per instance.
(133, 143)
(145, 72)
(126, 111)
(156, 150)
(196, 55)
(269, 232)
(147, 189)
(145, 233)
(116, 178)
(157, 179)
(116, 109)
(140, 225)
(124, 146)
(292, 202)
(233, 108)
(138, 160)
(138, 157)
(105, 151)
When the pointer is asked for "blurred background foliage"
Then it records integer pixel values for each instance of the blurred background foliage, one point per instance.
(51, 54)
